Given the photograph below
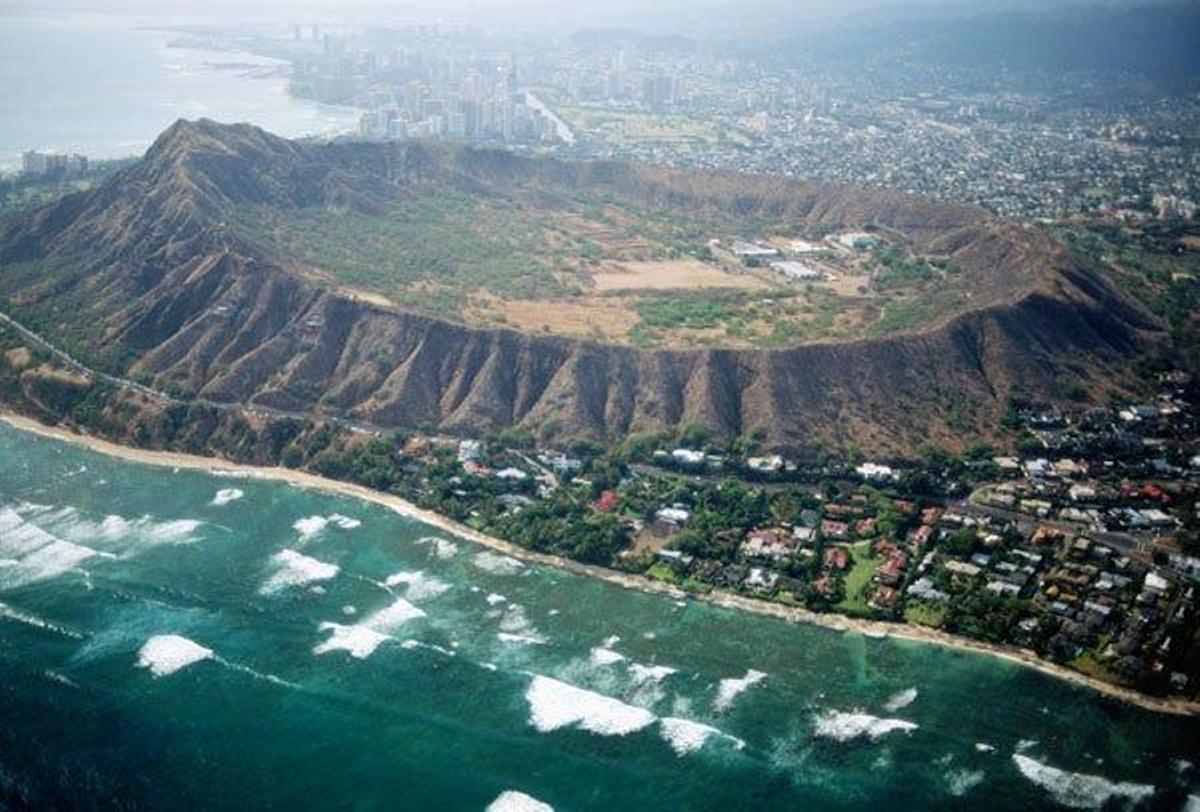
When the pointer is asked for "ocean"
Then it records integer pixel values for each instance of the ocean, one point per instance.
(106, 85)
(178, 639)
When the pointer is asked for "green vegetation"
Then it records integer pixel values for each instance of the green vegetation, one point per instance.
(925, 614)
(1159, 263)
(858, 579)
(429, 252)
(18, 192)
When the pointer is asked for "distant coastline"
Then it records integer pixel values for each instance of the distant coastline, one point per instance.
(833, 622)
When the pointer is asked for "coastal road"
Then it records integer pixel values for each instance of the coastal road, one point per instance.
(1124, 543)
(74, 364)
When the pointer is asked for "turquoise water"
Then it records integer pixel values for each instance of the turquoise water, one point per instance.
(102, 85)
(160, 646)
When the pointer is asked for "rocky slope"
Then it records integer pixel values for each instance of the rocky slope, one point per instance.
(149, 263)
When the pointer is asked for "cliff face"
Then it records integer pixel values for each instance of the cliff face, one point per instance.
(154, 264)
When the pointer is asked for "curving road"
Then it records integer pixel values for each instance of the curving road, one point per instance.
(69, 361)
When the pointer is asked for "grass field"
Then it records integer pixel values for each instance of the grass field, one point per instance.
(594, 267)
(858, 579)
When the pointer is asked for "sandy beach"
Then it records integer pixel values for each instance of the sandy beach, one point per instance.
(877, 629)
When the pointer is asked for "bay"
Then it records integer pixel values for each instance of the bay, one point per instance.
(107, 85)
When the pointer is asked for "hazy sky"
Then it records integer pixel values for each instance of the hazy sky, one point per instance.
(686, 13)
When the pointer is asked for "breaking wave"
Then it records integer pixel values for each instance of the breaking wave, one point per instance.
(165, 654)
(497, 564)
(419, 585)
(295, 569)
(900, 699)
(960, 782)
(31, 554)
(729, 689)
(512, 801)
(686, 736)
(443, 549)
(606, 656)
(227, 495)
(845, 726)
(554, 705)
(1077, 790)
(311, 526)
(361, 639)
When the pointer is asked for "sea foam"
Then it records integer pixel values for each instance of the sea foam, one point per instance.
(226, 495)
(555, 705)
(512, 801)
(362, 638)
(34, 554)
(900, 699)
(359, 641)
(960, 782)
(295, 569)
(419, 585)
(845, 726)
(684, 735)
(167, 653)
(606, 656)
(1077, 790)
(311, 526)
(729, 689)
(497, 564)
(642, 674)
(443, 549)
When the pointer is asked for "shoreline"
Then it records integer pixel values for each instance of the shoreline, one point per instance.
(717, 597)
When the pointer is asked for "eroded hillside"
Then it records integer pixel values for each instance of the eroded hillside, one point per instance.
(162, 271)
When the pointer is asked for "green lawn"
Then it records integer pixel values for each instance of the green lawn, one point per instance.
(925, 614)
(858, 579)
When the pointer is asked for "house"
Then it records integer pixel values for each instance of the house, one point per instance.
(873, 472)
(469, 450)
(891, 571)
(1067, 469)
(921, 536)
(1081, 493)
(765, 465)
(752, 250)
(1157, 518)
(512, 475)
(836, 558)
(560, 463)
(856, 240)
(1039, 468)
(760, 578)
(607, 502)
(923, 589)
(670, 519)
(773, 544)
(513, 502)
(475, 469)
(962, 568)
(804, 535)
(805, 247)
(834, 530)
(796, 271)
(1008, 465)
(1003, 588)
(1155, 583)
(686, 456)
(885, 598)
(865, 527)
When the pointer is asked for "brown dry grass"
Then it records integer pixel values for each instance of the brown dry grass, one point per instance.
(674, 274)
(610, 319)
(19, 358)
